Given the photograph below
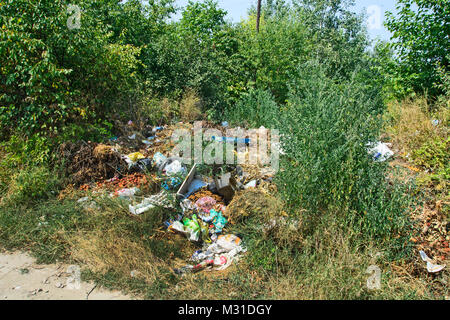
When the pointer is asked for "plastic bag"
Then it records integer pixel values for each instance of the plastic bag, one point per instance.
(136, 156)
(380, 151)
(229, 242)
(187, 205)
(127, 193)
(178, 227)
(192, 226)
(158, 159)
(218, 220)
(174, 167)
(431, 267)
(205, 204)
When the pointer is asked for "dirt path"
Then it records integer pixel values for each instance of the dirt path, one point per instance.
(22, 279)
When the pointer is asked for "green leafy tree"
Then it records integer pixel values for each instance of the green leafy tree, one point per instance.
(421, 30)
(338, 37)
(52, 75)
(203, 19)
(191, 54)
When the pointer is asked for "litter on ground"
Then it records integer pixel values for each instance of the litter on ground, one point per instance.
(135, 168)
(431, 267)
(380, 151)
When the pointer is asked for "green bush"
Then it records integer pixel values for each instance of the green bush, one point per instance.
(20, 151)
(433, 154)
(52, 75)
(32, 184)
(224, 61)
(256, 108)
(421, 41)
(325, 131)
(97, 132)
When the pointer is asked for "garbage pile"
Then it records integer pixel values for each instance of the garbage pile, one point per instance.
(87, 161)
(136, 168)
(219, 255)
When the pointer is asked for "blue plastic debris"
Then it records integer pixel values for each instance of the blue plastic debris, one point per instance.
(435, 122)
(194, 186)
(171, 183)
(218, 220)
(230, 139)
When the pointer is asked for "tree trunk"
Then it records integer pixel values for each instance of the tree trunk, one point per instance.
(258, 15)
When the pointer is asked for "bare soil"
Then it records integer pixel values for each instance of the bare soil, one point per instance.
(22, 279)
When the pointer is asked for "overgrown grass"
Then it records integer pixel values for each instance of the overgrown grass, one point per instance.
(337, 214)
(154, 110)
(414, 122)
(40, 228)
(105, 240)
(421, 133)
(325, 128)
(298, 258)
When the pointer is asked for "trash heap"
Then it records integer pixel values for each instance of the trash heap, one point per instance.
(135, 167)
(202, 217)
(218, 255)
(87, 161)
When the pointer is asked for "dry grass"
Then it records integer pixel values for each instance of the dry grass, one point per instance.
(190, 106)
(154, 109)
(102, 252)
(158, 110)
(253, 201)
(330, 267)
(412, 123)
(168, 108)
(114, 241)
